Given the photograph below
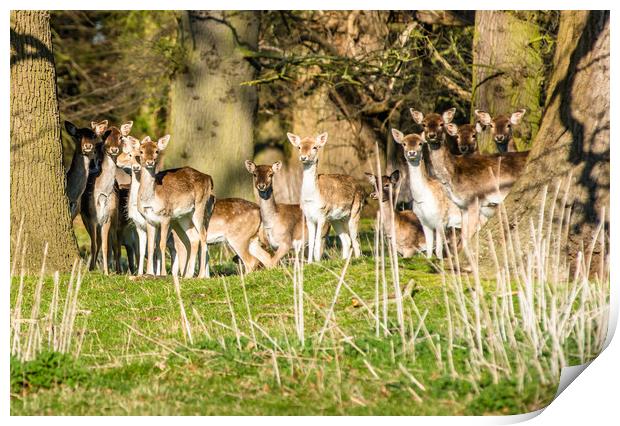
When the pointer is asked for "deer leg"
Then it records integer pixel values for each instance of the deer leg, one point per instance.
(439, 243)
(352, 226)
(105, 239)
(280, 253)
(150, 239)
(311, 238)
(164, 226)
(198, 220)
(318, 242)
(141, 249)
(428, 237)
(242, 248)
(343, 233)
(91, 228)
(194, 243)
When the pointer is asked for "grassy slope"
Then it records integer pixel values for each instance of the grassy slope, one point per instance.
(121, 372)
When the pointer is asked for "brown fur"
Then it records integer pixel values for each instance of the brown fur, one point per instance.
(466, 137)
(501, 127)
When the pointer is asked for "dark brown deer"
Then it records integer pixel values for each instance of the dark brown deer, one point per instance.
(407, 229)
(501, 127)
(466, 137)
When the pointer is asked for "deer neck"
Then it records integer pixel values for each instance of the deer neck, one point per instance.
(418, 179)
(134, 189)
(146, 191)
(442, 163)
(309, 184)
(78, 172)
(268, 208)
(104, 184)
(386, 212)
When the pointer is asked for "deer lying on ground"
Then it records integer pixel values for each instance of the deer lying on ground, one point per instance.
(283, 223)
(466, 137)
(331, 198)
(177, 198)
(431, 204)
(475, 183)
(86, 141)
(501, 126)
(408, 231)
(99, 205)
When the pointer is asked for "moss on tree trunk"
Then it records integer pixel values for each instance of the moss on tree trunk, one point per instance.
(212, 114)
(507, 72)
(37, 174)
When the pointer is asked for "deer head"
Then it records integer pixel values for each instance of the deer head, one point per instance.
(433, 124)
(412, 145)
(85, 139)
(262, 175)
(308, 147)
(501, 126)
(129, 158)
(150, 151)
(466, 136)
(382, 186)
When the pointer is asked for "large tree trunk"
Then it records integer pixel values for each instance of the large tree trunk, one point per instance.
(37, 175)
(507, 72)
(573, 140)
(212, 114)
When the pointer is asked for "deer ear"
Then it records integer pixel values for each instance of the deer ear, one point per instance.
(71, 128)
(162, 143)
(483, 117)
(126, 128)
(395, 177)
(398, 136)
(250, 166)
(99, 127)
(516, 117)
(448, 115)
(276, 166)
(452, 129)
(105, 135)
(321, 139)
(145, 140)
(294, 139)
(479, 128)
(371, 178)
(418, 117)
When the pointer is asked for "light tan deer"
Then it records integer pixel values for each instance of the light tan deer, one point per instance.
(283, 223)
(99, 205)
(408, 231)
(466, 137)
(501, 127)
(327, 198)
(431, 204)
(178, 198)
(475, 183)
(86, 142)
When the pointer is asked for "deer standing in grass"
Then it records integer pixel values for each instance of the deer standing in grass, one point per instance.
(86, 141)
(475, 183)
(177, 198)
(99, 205)
(501, 127)
(283, 223)
(327, 198)
(408, 231)
(431, 204)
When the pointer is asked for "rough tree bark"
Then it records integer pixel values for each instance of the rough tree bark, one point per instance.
(37, 174)
(573, 139)
(212, 114)
(507, 72)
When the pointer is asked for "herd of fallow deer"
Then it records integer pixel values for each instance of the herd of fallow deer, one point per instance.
(124, 199)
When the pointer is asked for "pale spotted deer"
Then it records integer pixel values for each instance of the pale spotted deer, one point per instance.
(407, 229)
(327, 198)
(86, 142)
(283, 223)
(501, 128)
(431, 204)
(177, 198)
(100, 201)
(475, 183)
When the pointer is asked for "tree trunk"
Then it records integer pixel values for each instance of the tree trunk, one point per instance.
(212, 114)
(37, 174)
(507, 73)
(573, 140)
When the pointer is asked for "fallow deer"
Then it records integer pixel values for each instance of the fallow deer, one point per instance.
(176, 197)
(466, 137)
(283, 223)
(501, 127)
(408, 231)
(327, 198)
(86, 141)
(475, 183)
(430, 202)
(99, 205)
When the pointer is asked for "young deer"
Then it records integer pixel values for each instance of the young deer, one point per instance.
(99, 205)
(475, 183)
(334, 199)
(430, 203)
(176, 197)
(283, 223)
(466, 137)
(237, 222)
(501, 127)
(408, 230)
(86, 141)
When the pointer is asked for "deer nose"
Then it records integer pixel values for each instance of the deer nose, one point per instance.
(499, 138)
(114, 150)
(149, 163)
(303, 157)
(412, 153)
(463, 149)
(261, 186)
(432, 135)
(88, 147)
